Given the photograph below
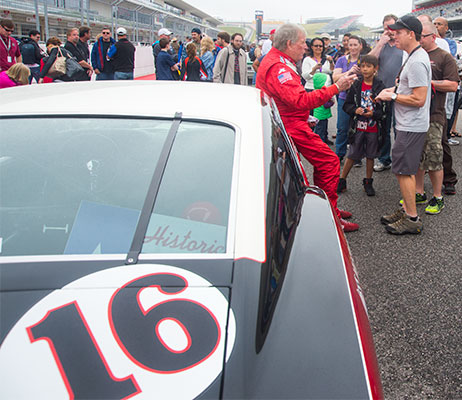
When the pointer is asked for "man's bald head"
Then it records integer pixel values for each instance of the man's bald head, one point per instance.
(441, 25)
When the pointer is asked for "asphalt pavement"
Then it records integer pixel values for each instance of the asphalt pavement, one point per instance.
(412, 285)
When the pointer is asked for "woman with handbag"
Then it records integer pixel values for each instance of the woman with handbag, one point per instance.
(60, 65)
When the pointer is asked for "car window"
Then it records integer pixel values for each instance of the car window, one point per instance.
(78, 185)
(191, 210)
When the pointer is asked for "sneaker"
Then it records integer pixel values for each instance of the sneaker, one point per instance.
(367, 183)
(449, 189)
(358, 164)
(380, 166)
(405, 225)
(419, 199)
(453, 142)
(435, 206)
(345, 214)
(390, 219)
(342, 186)
(348, 226)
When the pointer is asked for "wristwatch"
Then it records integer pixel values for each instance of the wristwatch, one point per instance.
(393, 96)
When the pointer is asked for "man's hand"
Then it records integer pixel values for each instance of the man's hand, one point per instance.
(97, 71)
(384, 39)
(359, 111)
(345, 82)
(385, 94)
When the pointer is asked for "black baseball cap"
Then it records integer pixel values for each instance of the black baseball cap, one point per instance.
(407, 22)
(196, 30)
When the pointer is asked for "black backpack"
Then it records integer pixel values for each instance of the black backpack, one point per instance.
(28, 53)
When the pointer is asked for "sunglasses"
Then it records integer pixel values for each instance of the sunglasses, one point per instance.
(7, 29)
(106, 33)
(317, 45)
(400, 21)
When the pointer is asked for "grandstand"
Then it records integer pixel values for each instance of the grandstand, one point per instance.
(141, 18)
(449, 9)
(341, 25)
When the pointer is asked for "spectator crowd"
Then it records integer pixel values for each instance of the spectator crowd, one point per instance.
(406, 85)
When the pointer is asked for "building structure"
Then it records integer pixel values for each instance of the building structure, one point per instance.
(141, 18)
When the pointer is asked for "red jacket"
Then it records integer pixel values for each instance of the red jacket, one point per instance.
(277, 76)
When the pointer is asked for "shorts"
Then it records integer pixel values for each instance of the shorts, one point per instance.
(407, 152)
(432, 154)
(366, 144)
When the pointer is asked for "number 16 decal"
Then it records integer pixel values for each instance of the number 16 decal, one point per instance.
(159, 323)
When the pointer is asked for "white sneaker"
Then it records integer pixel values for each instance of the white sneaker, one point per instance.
(379, 166)
(453, 142)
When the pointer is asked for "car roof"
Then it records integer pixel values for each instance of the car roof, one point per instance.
(135, 98)
(236, 105)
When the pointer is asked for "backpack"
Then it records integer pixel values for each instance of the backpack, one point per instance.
(252, 54)
(28, 53)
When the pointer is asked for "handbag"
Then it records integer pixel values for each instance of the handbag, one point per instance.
(58, 68)
(73, 68)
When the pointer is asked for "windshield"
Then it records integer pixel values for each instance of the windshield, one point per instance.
(78, 185)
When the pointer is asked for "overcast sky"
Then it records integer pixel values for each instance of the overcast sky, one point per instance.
(296, 10)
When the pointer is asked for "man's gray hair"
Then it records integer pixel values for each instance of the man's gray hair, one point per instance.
(285, 33)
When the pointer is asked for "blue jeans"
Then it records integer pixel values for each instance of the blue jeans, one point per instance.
(105, 76)
(343, 124)
(123, 76)
(385, 157)
(321, 129)
(34, 74)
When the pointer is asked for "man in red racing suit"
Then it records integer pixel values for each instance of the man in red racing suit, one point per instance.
(277, 76)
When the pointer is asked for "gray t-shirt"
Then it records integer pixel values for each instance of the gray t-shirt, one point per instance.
(390, 61)
(416, 73)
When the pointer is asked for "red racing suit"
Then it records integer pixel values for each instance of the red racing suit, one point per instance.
(277, 76)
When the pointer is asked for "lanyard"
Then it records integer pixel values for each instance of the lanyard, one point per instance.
(402, 67)
(4, 44)
(315, 59)
(349, 60)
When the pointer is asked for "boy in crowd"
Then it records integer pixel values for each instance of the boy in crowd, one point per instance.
(165, 64)
(324, 112)
(366, 122)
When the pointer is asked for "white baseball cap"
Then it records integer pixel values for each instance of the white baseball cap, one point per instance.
(121, 31)
(164, 31)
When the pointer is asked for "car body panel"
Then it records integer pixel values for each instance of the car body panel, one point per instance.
(278, 315)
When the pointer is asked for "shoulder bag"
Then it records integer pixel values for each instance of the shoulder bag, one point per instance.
(58, 68)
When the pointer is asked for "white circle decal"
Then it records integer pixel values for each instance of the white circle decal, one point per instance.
(144, 331)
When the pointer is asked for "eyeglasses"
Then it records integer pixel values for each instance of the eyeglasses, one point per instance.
(428, 34)
(7, 29)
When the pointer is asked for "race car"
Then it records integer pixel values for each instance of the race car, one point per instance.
(160, 240)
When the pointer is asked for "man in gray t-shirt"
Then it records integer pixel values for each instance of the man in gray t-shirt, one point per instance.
(390, 61)
(412, 113)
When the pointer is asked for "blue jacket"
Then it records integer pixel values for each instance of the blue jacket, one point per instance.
(208, 59)
(98, 59)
